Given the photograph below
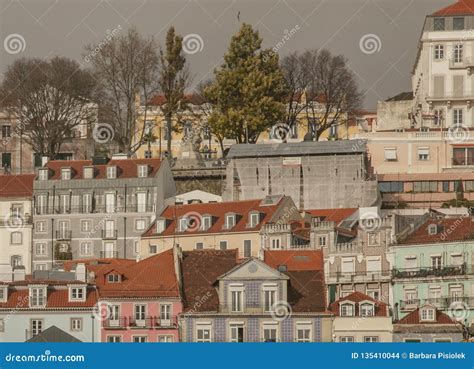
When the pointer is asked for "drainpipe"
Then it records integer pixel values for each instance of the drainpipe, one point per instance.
(125, 237)
(52, 243)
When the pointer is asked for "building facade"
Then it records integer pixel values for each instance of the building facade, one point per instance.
(96, 209)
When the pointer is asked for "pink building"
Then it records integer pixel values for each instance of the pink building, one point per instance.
(139, 301)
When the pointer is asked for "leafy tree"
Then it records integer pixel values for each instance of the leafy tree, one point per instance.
(173, 80)
(247, 91)
(49, 99)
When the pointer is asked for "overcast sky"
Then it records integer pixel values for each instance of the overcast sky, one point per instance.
(378, 37)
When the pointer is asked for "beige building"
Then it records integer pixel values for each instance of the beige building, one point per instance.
(217, 226)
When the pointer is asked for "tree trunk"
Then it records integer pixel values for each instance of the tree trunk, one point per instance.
(168, 127)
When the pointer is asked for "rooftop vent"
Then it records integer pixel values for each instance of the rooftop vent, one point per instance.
(282, 268)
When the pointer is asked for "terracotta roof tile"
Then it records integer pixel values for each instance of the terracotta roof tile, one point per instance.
(195, 213)
(307, 291)
(295, 260)
(461, 7)
(381, 308)
(126, 168)
(20, 185)
(414, 318)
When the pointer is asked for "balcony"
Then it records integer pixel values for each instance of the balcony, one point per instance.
(442, 303)
(335, 277)
(118, 323)
(109, 254)
(172, 322)
(465, 63)
(63, 235)
(94, 209)
(150, 322)
(442, 271)
(109, 234)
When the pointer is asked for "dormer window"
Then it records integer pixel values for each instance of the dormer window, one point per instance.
(160, 226)
(88, 172)
(427, 314)
(347, 309)
(432, 229)
(143, 171)
(77, 293)
(254, 219)
(37, 296)
(206, 222)
(3, 293)
(439, 24)
(43, 174)
(183, 224)
(229, 221)
(66, 174)
(112, 172)
(458, 23)
(114, 278)
(366, 309)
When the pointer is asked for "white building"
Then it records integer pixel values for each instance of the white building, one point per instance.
(443, 87)
(15, 220)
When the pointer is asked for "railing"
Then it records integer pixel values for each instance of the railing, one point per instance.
(109, 234)
(119, 323)
(47, 210)
(150, 322)
(64, 255)
(440, 302)
(63, 235)
(15, 220)
(172, 322)
(146, 323)
(441, 271)
(359, 276)
(227, 308)
(108, 254)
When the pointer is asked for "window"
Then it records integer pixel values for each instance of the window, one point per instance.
(446, 186)
(436, 262)
(269, 297)
(270, 333)
(439, 24)
(374, 294)
(346, 339)
(427, 314)
(457, 117)
(76, 324)
(112, 172)
(164, 339)
(371, 339)
(390, 154)
(87, 203)
(136, 247)
(143, 171)
(391, 187)
(140, 224)
(458, 54)
(254, 219)
(16, 261)
(6, 131)
(373, 239)
(366, 309)
(140, 313)
(457, 259)
(165, 314)
(43, 174)
(469, 186)
(322, 240)
(2, 325)
(86, 248)
(88, 172)
(86, 225)
(247, 248)
(229, 221)
(110, 202)
(36, 326)
(236, 332)
(64, 204)
(37, 296)
(203, 333)
(303, 332)
(77, 293)
(153, 249)
(139, 339)
(347, 310)
(275, 243)
(411, 296)
(3, 294)
(40, 266)
(438, 117)
(463, 156)
(183, 224)
(223, 245)
(114, 339)
(199, 246)
(425, 186)
(40, 249)
(423, 153)
(412, 340)
(439, 52)
(113, 278)
(458, 23)
(16, 238)
(40, 226)
(141, 202)
(237, 298)
(66, 173)
(348, 265)
(206, 223)
(6, 160)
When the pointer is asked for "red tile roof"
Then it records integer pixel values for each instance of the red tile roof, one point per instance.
(331, 215)
(200, 269)
(307, 291)
(126, 168)
(381, 308)
(151, 277)
(97, 265)
(58, 297)
(448, 230)
(414, 318)
(195, 213)
(20, 185)
(462, 7)
(295, 260)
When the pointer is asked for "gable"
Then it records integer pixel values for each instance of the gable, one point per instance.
(253, 269)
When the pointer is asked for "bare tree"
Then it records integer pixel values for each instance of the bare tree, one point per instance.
(173, 80)
(49, 99)
(330, 87)
(126, 69)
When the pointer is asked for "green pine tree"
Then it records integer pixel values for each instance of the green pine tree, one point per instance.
(248, 90)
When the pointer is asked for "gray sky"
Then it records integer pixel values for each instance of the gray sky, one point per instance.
(62, 27)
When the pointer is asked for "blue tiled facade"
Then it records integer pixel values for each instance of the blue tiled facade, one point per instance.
(253, 330)
(287, 330)
(252, 292)
(219, 329)
(189, 329)
(317, 330)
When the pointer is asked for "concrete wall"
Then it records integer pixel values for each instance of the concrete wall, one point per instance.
(393, 114)
(361, 327)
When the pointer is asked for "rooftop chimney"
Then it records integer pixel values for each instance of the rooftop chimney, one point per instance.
(81, 272)
(19, 273)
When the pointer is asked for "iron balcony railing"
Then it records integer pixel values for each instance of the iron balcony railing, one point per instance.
(109, 234)
(63, 235)
(441, 271)
(440, 302)
(117, 323)
(93, 209)
(108, 254)
(150, 322)
(357, 276)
